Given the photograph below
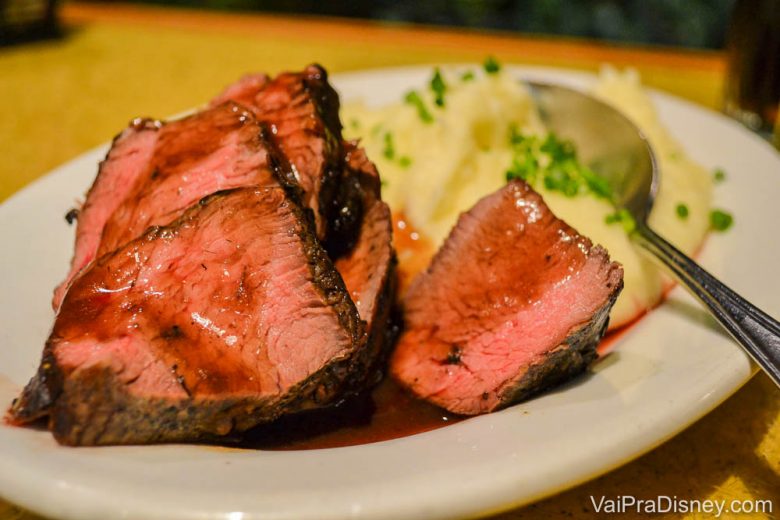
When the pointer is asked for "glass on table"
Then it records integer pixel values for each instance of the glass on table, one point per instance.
(752, 92)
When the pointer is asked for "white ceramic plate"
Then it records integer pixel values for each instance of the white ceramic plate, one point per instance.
(669, 370)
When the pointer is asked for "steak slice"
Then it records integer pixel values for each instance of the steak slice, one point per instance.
(129, 155)
(242, 91)
(302, 112)
(154, 172)
(368, 269)
(227, 318)
(515, 301)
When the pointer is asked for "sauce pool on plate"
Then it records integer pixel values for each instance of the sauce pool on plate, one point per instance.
(386, 412)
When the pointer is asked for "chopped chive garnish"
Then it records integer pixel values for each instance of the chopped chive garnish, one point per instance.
(405, 161)
(491, 65)
(624, 218)
(557, 178)
(558, 150)
(719, 175)
(467, 76)
(389, 149)
(682, 211)
(438, 87)
(524, 168)
(414, 99)
(720, 220)
(515, 136)
(597, 184)
(554, 162)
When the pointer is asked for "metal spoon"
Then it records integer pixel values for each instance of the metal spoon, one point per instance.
(617, 150)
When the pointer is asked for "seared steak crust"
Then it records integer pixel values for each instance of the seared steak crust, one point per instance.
(122, 366)
(572, 358)
(368, 268)
(302, 113)
(514, 301)
(192, 315)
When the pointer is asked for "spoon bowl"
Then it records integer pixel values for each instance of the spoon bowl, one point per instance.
(608, 142)
(613, 147)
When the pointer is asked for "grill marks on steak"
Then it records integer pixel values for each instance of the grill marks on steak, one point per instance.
(515, 300)
(302, 112)
(227, 318)
(155, 172)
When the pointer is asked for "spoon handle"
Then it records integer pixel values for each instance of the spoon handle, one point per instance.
(757, 332)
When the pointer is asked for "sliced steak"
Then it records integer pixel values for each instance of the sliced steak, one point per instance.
(302, 112)
(130, 153)
(213, 150)
(368, 269)
(242, 91)
(514, 301)
(229, 317)
(154, 172)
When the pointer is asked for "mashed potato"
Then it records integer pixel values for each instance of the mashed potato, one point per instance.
(437, 161)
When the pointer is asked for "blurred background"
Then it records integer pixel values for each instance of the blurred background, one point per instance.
(744, 34)
(698, 24)
(74, 72)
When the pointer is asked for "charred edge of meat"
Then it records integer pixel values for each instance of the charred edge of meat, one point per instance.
(280, 166)
(346, 211)
(322, 387)
(43, 389)
(573, 357)
(72, 216)
(358, 189)
(315, 81)
(92, 396)
(40, 393)
(340, 198)
(386, 326)
(327, 279)
(369, 369)
(395, 319)
(361, 165)
(95, 409)
(358, 372)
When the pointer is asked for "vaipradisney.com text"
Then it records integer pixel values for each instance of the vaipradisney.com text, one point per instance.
(673, 504)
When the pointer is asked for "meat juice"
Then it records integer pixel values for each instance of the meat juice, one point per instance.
(413, 249)
(387, 411)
